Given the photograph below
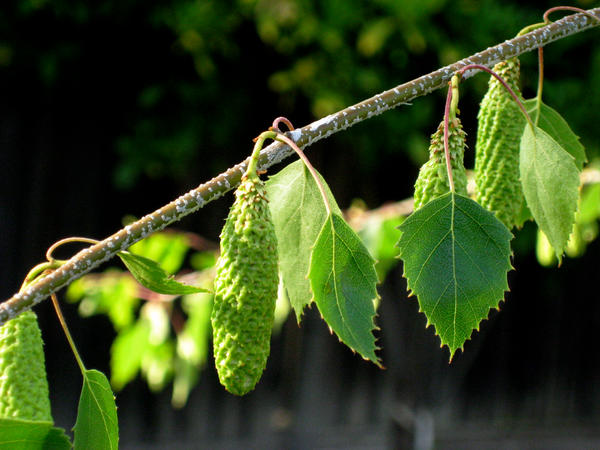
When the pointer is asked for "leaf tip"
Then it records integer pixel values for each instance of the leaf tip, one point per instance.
(453, 353)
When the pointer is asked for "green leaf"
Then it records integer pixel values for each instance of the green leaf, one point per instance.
(152, 276)
(589, 208)
(192, 346)
(552, 123)
(550, 181)
(523, 216)
(96, 427)
(456, 256)
(343, 278)
(113, 293)
(282, 309)
(298, 214)
(157, 364)
(544, 251)
(379, 234)
(167, 249)
(126, 353)
(18, 434)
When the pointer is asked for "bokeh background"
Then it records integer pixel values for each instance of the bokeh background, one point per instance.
(113, 108)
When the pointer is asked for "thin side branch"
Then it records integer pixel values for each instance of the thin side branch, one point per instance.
(92, 257)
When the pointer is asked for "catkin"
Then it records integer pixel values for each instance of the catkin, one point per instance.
(432, 181)
(245, 289)
(500, 126)
(23, 383)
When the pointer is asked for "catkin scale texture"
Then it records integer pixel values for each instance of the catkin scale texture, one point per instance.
(245, 289)
(23, 383)
(499, 130)
(432, 181)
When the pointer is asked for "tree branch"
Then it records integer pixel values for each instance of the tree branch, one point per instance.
(92, 257)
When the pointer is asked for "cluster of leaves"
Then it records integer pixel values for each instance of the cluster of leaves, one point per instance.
(25, 417)
(163, 324)
(456, 254)
(155, 336)
(321, 259)
(465, 238)
(96, 422)
(165, 337)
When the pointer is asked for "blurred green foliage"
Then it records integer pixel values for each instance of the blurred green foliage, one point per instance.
(164, 338)
(160, 336)
(584, 232)
(211, 68)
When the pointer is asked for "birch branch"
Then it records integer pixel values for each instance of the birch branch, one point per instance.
(92, 257)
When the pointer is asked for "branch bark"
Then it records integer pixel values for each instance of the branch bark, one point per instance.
(92, 257)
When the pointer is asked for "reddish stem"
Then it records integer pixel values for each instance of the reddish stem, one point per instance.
(309, 166)
(506, 86)
(540, 82)
(446, 149)
(54, 246)
(567, 8)
(280, 119)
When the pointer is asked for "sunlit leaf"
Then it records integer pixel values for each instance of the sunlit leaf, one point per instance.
(343, 278)
(298, 214)
(456, 256)
(167, 249)
(96, 427)
(126, 353)
(282, 308)
(380, 236)
(157, 364)
(543, 250)
(149, 274)
(203, 260)
(550, 181)
(192, 347)
(552, 123)
(589, 208)
(18, 434)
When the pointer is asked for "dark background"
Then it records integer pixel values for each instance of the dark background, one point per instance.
(110, 108)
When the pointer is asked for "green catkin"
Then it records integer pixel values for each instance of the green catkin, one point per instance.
(23, 383)
(500, 126)
(245, 289)
(432, 181)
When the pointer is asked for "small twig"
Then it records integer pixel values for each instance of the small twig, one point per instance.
(567, 8)
(506, 86)
(259, 142)
(279, 120)
(63, 324)
(62, 242)
(540, 83)
(446, 149)
(309, 166)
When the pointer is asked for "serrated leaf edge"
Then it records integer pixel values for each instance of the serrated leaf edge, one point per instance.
(428, 324)
(374, 327)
